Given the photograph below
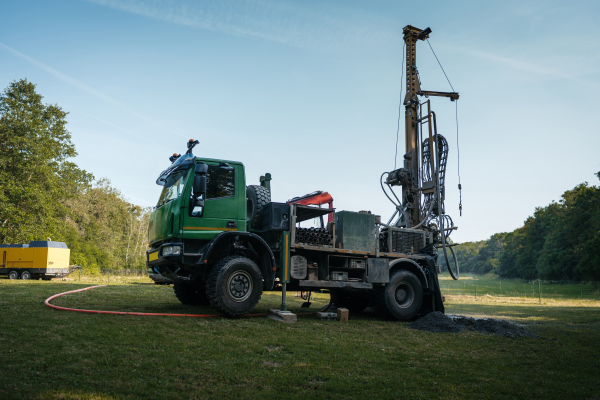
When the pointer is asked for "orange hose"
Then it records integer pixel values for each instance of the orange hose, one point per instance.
(47, 302)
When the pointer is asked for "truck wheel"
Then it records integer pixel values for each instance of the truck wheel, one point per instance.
(13, 275)
(234, 285)
(25, 275)
(354, 302)
(401, 297)
(191, 293)
(257, 198)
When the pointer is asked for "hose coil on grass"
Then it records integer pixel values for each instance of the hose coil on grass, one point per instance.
(49, 299)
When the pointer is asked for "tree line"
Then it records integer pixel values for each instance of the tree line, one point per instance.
(561, 241)
(45, 195)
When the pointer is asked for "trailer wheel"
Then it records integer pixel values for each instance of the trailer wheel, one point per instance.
(25, 275)
(257, 198)
(354, 302)
(402, 297)
(190, 293)
(13, 275)
(234, 285)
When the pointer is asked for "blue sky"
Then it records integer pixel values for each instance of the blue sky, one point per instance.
(308, 90)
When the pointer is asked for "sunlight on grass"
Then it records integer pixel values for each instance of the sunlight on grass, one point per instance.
(50, 354)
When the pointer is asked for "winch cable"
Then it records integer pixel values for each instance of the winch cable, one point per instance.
(399, 107)
(49, 299)
(456, 113)
(458, 160)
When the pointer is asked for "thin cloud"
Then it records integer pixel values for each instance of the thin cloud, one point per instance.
(62, 76)
(82, 86)
(280, 22)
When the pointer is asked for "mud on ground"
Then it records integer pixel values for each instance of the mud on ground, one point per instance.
(439, 323)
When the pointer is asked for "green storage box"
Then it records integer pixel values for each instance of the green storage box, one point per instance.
(355, 231)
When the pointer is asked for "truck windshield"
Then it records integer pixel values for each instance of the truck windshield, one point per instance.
(174, 191)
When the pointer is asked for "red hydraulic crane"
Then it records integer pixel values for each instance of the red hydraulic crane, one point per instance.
(315, 199)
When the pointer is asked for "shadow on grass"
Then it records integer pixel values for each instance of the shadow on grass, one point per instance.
(57, 354)
(528, 312)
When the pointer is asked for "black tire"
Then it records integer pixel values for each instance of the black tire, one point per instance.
(26, 275)
(191, 293)
(401, 298)
(354, 302)
(13, 275)
(234, 285)
(257, 197)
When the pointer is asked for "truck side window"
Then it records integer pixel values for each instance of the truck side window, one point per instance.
(220, 183)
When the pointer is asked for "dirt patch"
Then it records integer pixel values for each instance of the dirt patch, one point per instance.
(271, 364)
(438, 322)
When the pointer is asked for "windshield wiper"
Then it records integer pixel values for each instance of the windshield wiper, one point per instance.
(165, 202)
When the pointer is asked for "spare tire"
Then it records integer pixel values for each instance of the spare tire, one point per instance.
(257, 197)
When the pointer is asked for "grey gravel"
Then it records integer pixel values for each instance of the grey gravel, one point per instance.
(435, 322)
(439, 323)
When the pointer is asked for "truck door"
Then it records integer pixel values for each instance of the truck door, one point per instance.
(221, 211)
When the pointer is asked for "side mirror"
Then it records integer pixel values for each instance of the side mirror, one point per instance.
(201, 169)
(199, 185)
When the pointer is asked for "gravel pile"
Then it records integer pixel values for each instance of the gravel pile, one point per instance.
(438, 322)
(435, 322)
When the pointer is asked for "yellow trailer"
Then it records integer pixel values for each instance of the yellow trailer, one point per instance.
(38, 259)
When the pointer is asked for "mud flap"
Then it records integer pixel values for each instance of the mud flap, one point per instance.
(437, 295)
(435, 304)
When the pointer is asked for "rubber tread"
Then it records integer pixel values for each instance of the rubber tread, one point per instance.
(214, 278)
(260, 196)
(191, 293)
(383, 302)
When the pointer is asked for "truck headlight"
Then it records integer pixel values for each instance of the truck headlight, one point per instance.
(171, 251)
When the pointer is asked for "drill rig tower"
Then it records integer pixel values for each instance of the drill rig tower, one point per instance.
(422, 176)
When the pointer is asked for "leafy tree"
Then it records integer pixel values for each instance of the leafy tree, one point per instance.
(43, 194)
(116, 228)
(481, 257)
(35, 174)
(560, 241)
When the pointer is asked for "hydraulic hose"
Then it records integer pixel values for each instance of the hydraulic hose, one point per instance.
(49, 299)
(442, 221)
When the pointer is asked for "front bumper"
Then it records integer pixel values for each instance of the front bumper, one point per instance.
(155, 257)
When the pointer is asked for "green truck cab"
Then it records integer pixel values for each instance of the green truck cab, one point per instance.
(223, 243)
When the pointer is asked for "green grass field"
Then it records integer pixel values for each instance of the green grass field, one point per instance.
(50, 354)
(472, 285)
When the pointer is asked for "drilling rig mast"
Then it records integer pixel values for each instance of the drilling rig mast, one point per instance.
(422, 176)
